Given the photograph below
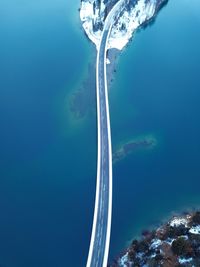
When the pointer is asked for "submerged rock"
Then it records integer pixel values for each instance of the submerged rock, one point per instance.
(126, 148)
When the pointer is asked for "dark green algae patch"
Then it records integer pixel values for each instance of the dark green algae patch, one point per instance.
(83, 100)
(141, 143)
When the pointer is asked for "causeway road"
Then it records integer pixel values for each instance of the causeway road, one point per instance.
(100, 238)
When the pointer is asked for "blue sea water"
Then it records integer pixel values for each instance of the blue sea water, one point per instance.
(47, 169)
(48, 160)
(157, 91)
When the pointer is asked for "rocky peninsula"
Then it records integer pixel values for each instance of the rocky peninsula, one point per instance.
(134, 14)
(173, 244)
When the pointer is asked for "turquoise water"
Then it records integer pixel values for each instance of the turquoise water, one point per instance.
(157, 91)
(48, 159)
(46, 180)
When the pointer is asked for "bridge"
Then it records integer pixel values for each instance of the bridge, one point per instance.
(100, 238)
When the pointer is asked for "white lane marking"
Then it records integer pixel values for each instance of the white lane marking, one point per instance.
(107, 26)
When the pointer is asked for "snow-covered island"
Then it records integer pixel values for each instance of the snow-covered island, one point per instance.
(133, 14)
(93, 13)
(173, 244)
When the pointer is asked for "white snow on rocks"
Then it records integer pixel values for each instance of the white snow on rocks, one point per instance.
(125, 27)
(184, 260)
(155, 243)
(169, 241)
(87, 17)
(178, 221)
(195, 230)
(124, 260)
(189, 224)
(107, 61)
(128, 23)
(140, 255)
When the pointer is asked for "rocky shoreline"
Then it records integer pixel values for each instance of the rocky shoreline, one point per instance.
(133, 15)
(176, 243)
(92, 15)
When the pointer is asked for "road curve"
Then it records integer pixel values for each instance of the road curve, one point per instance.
(100, 238)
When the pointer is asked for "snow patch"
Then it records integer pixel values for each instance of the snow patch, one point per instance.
(93, 15)
(184, 260)
(140, 255)
(129, 22)
(155, 243)
(178, 221)
(88, 15)
(195, 230)
(124, 260)
(107, 61)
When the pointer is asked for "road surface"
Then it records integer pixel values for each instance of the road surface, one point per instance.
(100, 239)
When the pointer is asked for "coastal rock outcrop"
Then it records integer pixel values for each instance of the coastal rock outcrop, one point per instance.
(175, 243)
(134, 13)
